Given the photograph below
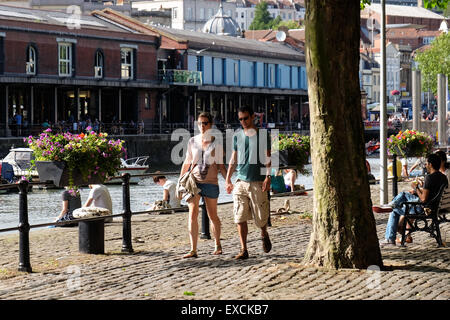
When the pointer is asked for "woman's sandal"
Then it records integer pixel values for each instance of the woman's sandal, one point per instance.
(218, 250)
(191, 254)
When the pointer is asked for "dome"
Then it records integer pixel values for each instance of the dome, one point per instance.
(222, 24)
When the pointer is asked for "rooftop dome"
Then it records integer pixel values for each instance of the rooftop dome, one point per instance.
(222, 24)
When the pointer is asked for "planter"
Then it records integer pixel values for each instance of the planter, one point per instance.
(58, 173)
(287, 158)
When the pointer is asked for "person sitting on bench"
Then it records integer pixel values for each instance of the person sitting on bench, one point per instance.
(432, 184)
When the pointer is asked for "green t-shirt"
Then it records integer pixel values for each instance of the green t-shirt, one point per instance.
(250, 164)
(277, 182)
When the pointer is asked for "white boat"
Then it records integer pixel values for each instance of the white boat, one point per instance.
(133, 166)
(17, 163)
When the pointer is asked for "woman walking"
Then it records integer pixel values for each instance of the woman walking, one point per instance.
(205, 159)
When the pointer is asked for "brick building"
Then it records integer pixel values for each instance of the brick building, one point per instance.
(59, 70)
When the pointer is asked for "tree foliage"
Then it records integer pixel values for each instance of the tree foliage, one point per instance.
(434, 61)
(288, 24)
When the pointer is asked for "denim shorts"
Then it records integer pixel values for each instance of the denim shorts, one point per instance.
(209, 190)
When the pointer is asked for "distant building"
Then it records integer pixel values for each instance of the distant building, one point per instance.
(396, 14)
(411, 3)
(288, 11)
(86, 6)
(185, 14)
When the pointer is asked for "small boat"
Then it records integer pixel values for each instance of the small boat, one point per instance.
(133, 166)
(17, 164)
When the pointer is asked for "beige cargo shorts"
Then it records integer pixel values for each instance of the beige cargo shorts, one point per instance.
(250, 202)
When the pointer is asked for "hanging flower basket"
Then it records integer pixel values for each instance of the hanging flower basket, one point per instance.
(410, 143)
(293, 150)
(59, 174)
(75, 159)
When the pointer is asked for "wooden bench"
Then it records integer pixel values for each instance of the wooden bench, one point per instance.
(427, 216)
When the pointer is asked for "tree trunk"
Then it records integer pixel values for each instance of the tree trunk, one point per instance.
(344, 231)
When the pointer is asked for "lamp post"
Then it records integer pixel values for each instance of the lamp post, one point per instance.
(383, 113)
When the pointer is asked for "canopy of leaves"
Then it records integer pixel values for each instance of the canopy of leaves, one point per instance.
(262, 18)
(434, 61)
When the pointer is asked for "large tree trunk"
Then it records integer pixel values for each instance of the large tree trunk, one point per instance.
(344, 232)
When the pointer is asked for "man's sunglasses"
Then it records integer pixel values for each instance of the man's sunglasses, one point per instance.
(205, 123)
(244, 119)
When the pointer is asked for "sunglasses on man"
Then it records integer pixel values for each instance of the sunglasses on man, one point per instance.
(244, 118)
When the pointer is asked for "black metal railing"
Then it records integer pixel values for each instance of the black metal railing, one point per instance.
(127, 247)
(132, 128)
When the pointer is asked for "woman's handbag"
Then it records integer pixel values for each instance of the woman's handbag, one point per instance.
(186, 186)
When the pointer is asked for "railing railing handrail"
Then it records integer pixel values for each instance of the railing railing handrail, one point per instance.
(126, 214)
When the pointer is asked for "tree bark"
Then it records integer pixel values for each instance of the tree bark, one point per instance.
(344, 232)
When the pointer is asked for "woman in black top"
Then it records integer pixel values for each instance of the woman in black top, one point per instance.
(70, 202)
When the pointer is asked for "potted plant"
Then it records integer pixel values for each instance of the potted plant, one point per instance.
(410, 143)
(72, 160)
(293, 151)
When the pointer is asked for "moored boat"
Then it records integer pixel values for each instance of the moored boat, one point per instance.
(133, 166)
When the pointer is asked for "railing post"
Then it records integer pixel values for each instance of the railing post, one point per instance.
(394, 175)
(205, 222)
(126, 217)
(24, 228)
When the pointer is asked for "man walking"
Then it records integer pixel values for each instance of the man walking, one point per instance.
(250, 195)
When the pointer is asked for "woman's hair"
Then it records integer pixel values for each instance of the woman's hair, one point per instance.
(157, 178)
(206, 115)
(443, 157)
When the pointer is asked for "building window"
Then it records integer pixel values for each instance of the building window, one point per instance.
(65, 59)
(210, 13)
(126, 63)
(202, 13)
(147, 101)
(99, 64)
(242, 14)
(236, 73)
(174, 13)
(189, 13)
(31, 60)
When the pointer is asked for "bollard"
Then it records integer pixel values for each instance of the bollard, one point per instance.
(205, 222)
(24, 228)
(126, 217)
(394, 175)
(91, 236)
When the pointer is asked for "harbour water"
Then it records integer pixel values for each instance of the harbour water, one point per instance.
(45, 205)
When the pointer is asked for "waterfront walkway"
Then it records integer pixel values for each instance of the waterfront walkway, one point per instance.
(156, 271)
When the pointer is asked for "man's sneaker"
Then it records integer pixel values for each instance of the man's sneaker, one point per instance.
(382, 209)
(267, 245)
(243, 254)
(387, 242)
